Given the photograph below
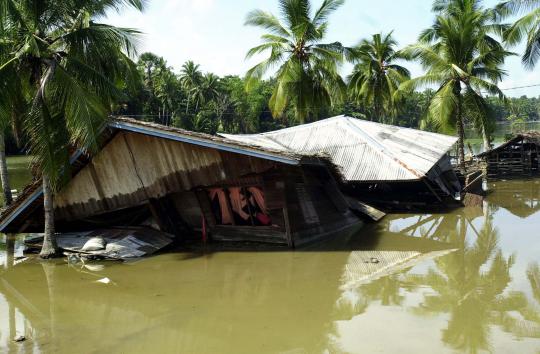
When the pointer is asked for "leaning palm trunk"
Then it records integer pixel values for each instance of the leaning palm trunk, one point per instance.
(4, 176)
(50, 248)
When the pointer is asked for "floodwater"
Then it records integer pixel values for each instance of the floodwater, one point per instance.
(466, 281)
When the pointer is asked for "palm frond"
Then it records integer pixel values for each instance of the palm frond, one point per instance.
(326, 9)
(267, 21)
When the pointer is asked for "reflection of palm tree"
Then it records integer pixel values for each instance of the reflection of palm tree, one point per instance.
(388, 290)
(526, 324)
(533, 273)
(470, 286)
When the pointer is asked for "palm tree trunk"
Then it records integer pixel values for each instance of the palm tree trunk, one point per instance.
(49, 248)
(485, 136)
(4, 176)
(461, 134)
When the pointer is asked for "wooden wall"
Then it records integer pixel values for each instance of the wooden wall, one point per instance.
(316, 207)
(133, 168)
(520, 158)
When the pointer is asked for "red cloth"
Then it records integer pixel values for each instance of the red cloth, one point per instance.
(264, 219)
(238, 202)
(226, 216)
(258, 195)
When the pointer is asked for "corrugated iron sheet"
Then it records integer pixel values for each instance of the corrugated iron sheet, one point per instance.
(362, 150)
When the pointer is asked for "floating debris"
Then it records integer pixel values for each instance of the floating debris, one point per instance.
(19, 339)
(119, 244)
(104, 281)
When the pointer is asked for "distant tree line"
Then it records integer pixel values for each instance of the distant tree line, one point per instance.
(205, 102)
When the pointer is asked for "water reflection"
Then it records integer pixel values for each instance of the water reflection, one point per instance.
(413, 283)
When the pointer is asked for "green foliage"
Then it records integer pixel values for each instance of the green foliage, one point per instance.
(61, 71)
(376, 77)
(527, 27)
(307, 77)
(463, 58)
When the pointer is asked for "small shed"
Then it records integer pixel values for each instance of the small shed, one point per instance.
(187, 183)
(517, 157)
(387, 166)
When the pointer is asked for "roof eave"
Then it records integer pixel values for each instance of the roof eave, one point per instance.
(281, 158)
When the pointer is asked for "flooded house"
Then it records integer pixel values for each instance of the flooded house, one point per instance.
(185, 183)
(389, 167)
(518, 157)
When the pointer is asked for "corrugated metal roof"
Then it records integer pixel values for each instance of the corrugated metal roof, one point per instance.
(362, 150)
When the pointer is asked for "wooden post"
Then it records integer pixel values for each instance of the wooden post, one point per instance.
(290, 241)
(288, 233)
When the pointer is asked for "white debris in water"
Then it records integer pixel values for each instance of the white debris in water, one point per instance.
(104, 281)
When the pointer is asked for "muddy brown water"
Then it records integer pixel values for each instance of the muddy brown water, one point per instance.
(464, 281)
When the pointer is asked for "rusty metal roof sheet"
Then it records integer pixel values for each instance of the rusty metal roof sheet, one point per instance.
(362, 150)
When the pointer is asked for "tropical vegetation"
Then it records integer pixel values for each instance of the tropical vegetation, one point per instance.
(307, 76)
(64, 71)
(376, 76)
(462, 56)
(527, 27)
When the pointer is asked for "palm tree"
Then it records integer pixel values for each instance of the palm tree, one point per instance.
(527, 26)
(307, 76)
(157, 79)
(376, 77)
(190, 78)
(166, 89)
(460, 56)
(69, 66)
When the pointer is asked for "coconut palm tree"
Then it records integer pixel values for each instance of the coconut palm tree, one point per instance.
(376, 77)
(205, 90)
(68, 65)
(527, 26)
(190, 78)
(307, 77)
(463, 58)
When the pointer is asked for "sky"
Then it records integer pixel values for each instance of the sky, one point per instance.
(212, 32)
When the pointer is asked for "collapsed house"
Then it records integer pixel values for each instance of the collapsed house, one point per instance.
(185, 183)
(389, 167)
(518, 157)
